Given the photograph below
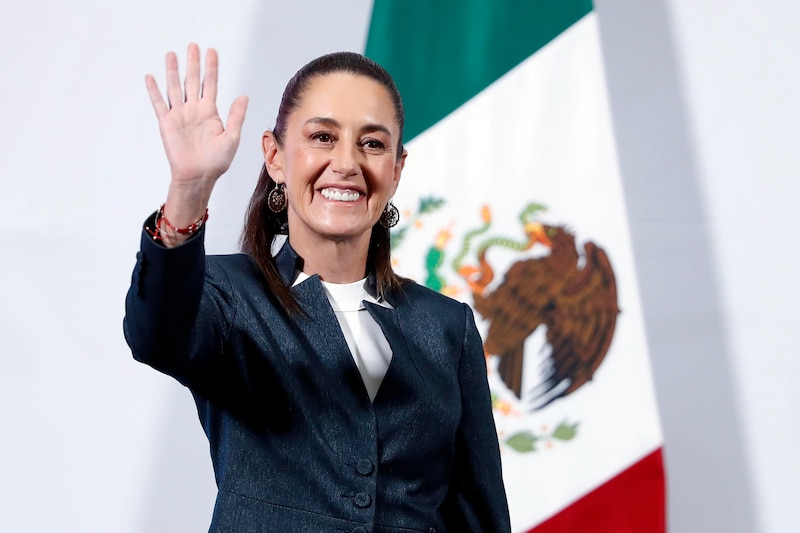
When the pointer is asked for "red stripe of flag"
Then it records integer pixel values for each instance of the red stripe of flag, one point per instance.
(632, 502)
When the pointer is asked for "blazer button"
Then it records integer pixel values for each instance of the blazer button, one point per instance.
(364, 467)
(362, 499)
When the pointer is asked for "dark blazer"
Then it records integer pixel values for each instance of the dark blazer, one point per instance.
(296, 444)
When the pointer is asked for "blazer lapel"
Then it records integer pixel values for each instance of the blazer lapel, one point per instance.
(326, 343)
(401, 395)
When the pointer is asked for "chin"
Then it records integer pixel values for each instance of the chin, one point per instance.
(344, 232)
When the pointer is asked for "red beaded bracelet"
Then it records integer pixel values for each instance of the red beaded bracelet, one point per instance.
(156, 233)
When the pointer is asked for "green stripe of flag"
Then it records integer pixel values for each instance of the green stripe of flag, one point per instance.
(441, 53)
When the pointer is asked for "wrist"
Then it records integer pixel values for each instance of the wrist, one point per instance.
(171, 234)
(194, 190)
(185, 204)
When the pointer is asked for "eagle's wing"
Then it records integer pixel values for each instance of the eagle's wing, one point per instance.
(515, 309)
(580, 325)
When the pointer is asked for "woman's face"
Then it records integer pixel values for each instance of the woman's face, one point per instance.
(338, 160)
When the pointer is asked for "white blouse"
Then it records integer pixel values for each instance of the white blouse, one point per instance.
(368, 346)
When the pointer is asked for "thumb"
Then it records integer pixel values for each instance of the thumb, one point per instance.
(236, 116)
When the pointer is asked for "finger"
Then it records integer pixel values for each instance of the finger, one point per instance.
(236, 118)
(174, 91)
(210, 79)
(192, 72)
(159, 105)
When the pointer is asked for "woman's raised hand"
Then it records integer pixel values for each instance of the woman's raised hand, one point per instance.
(199, 147)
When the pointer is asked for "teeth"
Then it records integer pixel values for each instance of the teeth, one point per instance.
(342, 196)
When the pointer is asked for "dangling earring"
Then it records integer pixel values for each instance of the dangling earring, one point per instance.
(390, 216)
(276, 199)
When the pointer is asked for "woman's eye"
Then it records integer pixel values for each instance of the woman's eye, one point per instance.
(373, 144)
(323, 137)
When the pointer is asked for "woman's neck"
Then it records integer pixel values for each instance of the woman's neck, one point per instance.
(342, 261)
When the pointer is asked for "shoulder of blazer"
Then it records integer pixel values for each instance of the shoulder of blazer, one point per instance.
(238, 268)
(416, 298)
(236, 278)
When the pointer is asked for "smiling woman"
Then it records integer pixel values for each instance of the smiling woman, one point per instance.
(335, 395)
(341, 111)
(338, 163)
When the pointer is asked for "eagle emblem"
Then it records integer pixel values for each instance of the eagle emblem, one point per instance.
(562, 293)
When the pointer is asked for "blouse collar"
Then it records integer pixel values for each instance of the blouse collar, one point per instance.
(289, 264)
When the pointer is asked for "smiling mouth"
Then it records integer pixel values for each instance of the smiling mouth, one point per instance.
(340, 195)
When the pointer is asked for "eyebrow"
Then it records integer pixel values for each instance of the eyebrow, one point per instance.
(326, 121)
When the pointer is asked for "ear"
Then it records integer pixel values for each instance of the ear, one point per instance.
(398, 169)
(273, 156)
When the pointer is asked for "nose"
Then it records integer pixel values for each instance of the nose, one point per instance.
(345, 159)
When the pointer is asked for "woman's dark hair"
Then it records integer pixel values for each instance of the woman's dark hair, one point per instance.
(262, 225)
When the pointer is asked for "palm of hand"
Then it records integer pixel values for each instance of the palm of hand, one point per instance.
(195, 142)
(198, 146)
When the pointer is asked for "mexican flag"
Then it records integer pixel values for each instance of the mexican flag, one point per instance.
(511, 200)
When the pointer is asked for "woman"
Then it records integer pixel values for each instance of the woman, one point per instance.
(335, 395)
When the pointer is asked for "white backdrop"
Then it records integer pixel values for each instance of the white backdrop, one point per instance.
(704, 102)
